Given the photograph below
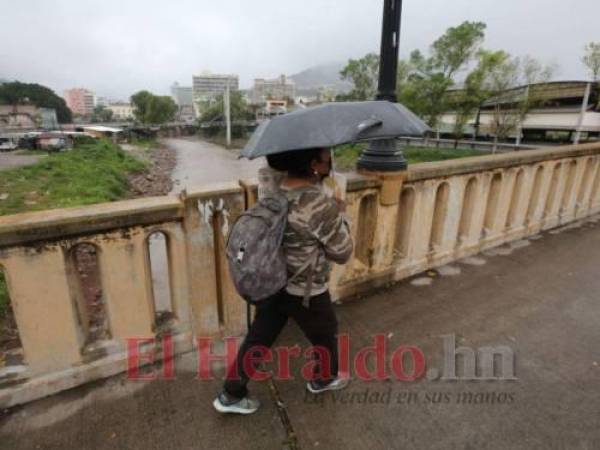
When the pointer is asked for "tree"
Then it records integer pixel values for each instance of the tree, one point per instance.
(153, 109)
(457, 47)
(15, 92)
(364, 73)
(511, 88)
(422, 81)
(214, 111)
(102, 114)
(467, 101)
(427, 80)
(591, 59)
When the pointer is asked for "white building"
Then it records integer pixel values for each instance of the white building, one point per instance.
(278, 89)
(182, 95)
(206, 87)
(121, 111)
(101, 101)
(563, 108)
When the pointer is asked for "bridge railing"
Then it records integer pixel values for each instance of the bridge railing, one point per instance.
(452, 209)
(434, 214)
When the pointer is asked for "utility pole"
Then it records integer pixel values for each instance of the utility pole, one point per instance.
(385, 155)
(227, 107)
(584, 106)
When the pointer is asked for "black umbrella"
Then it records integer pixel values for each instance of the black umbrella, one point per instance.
(333, 124)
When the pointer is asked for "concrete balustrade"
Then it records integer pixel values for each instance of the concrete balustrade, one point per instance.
(431, 215)
(452, 209)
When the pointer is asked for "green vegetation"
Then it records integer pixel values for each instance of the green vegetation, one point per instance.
(102, 114)
(346, 155)
(428, 84)
(153, 109)
(214, 111)
(146, 143)
(14, 93)
(591, 59)
(89, 173)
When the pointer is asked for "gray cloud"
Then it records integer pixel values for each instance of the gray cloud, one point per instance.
(118, 47)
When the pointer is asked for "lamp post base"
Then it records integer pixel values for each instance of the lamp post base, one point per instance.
(382, 156)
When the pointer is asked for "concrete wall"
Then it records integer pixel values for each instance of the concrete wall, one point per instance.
(402, 223)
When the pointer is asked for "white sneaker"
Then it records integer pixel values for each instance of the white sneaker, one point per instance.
(316, 386)
(225, 404)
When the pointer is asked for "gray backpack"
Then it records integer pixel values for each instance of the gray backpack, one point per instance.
(254, 252)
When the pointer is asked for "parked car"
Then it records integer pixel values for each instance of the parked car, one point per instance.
(7, 144)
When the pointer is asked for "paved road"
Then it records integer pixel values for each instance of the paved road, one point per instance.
(10, 161)
(538, 297)
(200, 162)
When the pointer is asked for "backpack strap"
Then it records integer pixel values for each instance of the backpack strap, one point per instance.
(312, 264)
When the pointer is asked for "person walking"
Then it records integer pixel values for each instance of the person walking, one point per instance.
(316, 235)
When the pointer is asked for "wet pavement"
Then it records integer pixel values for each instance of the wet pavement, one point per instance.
(538, 298)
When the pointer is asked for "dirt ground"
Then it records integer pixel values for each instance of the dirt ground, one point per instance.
(157, 180)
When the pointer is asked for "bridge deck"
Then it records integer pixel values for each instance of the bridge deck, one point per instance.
(538, 297)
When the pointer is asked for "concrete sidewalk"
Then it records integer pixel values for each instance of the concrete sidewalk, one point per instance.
(539, 297)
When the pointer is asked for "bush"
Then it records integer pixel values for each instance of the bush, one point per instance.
(87, 174)
(347, 155)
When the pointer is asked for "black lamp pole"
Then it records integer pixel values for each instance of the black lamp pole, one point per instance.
(384, 155)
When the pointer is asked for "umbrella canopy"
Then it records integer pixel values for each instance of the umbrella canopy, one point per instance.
(333, 124)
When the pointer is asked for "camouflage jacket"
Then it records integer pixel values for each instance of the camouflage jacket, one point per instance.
(316, 229)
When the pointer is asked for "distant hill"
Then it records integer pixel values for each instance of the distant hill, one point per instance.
(326, 75)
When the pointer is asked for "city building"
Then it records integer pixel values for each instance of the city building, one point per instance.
(184, 98)
(121, 110)
(206, 87)
(272, 108)
(102, 101)
(278, 89)
(182, 95)
(80, 101)
(562, 111)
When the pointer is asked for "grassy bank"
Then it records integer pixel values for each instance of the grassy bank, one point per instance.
(145, 144)
(89, 173)
(346, 155)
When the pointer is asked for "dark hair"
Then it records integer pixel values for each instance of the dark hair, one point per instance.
(296, 163)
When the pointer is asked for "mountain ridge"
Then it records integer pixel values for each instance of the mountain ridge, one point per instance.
(322, 75)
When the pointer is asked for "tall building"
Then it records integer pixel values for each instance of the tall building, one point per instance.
(208, 86)
(80, 101)
(278, 89)
(102, 101)
(184, 98)
(182, 95)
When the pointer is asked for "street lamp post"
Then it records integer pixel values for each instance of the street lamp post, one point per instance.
(385, 155)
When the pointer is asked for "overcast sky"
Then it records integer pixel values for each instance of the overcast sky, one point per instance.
(118, 47)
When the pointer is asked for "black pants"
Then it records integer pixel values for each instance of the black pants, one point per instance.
(318, 322)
